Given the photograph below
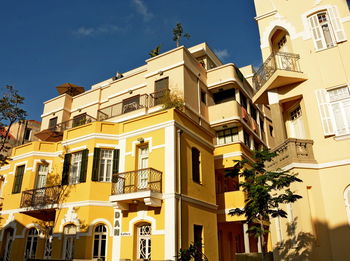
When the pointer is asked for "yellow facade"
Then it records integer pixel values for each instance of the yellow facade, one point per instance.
(118, 176)
(305, 49)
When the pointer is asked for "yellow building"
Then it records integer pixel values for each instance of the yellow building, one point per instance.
(305, 81)
(121, 175)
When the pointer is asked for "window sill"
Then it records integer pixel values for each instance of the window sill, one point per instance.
(342, 137)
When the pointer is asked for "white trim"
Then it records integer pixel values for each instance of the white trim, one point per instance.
(345, 19)
(84, 147)
(317, 166)
(170, 188)
(100, 221)
(347, 202)
(7, 167)
(199, 202)
(139, 86)
(227, 80)
(122, 154)
(142, 216)
(136, 142)
(167, 68)
(89, 137)
(55, 111)
(224, 120)
(271, 13)
(106, 145)
(266, 33)
(36, 154)
(229, 155)
(84, 106)
(84, 203)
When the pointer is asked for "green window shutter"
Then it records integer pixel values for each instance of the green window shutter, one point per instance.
(66, 167)
(115, 161)
(96, 164)
(84, 161)
(17, 184)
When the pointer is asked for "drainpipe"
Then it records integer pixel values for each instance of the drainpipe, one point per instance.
(179, 210)
(199, 99)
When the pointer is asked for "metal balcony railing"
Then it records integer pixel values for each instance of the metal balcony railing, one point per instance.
(41, 197)
(137, 180)
(276, 61)
(75, 122)
(128, 105)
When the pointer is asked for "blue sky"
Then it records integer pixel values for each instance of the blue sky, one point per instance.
(45, 43)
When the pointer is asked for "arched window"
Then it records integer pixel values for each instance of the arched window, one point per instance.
(32, 242)
(347, 201)
(70, 232)
(100, 242)
(144, 232)
(8, 239)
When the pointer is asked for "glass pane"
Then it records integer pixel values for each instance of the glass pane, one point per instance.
(103, 248)
(96, 247)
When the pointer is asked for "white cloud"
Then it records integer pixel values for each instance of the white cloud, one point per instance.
(142, 9)
(102, 29)
(222, 54)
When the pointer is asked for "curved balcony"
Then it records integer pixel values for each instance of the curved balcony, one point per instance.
(279, 69)
(135, 186)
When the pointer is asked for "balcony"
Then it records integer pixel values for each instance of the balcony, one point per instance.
(278, 70)
(292, 151)
(55, 133)
(224, 112)
(134, 186)
(41, 203)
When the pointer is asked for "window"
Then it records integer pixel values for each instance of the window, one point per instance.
(106, 163)
(17, 184)
(334, 107)
(27, 134)
(244, 102)
(32, 241)
(196, 165)
(42, 175)
(326, 28)
(227, 136)
(79, 120)
(8, 238)
(246, 139)
(347, 202)
(131, 104)
(52, 123)
(142, 181)
(48, 244)
(203, 97)
(100, 242)
(74, 167)
(144, 232)
(197, 240)
(70, 232)
(161, 88)
(224, 95)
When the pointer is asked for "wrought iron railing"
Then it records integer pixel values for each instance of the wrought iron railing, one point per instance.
(158, 98)
(276, 61)
(137, 180)
(41, 197)
(75, 122)
(125, 106)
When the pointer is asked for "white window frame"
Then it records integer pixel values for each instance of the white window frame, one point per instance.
(31, 238)
(143, 157)
(75, 168)
(327, 113)
(99, 241)
(347, 202)
(335, 25)
(42, 175)
(10, 237)
(105, 175)
(147, 238)
(223, 138)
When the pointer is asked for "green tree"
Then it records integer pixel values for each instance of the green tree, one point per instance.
(178, 34)
(266, 192)
(155, 51)
(10, 112)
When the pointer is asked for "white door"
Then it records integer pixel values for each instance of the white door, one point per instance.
(296, 124)
(144, 242)
(283, 62)
(142, 182)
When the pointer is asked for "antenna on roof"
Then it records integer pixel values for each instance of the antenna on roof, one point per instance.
(117, 76)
